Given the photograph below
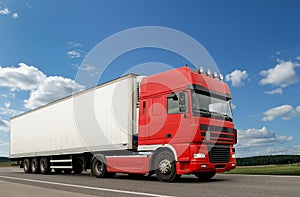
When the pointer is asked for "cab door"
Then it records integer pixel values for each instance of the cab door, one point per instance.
(158, 116)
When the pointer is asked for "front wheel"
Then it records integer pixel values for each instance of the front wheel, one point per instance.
(99, 167)
(204, 176)
(165, 167)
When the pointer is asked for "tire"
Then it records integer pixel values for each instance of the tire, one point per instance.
(165, 167)
(45, 165)
(35, 166)
(99, 168)
(204, 176)
(27, 165)
(77, 167)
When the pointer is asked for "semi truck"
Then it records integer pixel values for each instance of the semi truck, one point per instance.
(169, 124)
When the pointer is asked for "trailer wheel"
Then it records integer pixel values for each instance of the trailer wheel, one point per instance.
(35, 167)
(204, 176)
(99, 168)
(27, 165)
(165, 167)
(45, 165)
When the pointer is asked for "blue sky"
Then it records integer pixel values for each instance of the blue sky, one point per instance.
(255, 44)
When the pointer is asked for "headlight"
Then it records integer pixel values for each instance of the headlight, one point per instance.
(199, 155)
(233, 156)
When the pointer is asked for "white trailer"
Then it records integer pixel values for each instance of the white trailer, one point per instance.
(99, 119)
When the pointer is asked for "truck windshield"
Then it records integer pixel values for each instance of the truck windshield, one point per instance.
(207, 106)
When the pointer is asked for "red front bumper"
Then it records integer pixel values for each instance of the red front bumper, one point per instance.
(204, 164)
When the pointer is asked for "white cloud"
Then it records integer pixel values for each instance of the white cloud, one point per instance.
(75, 50)
(260, 138)
(284, 112)
(92, 71)
(236, 77)
(8, 95)
(7, 104)
(74, 54)
(88, 68)
(42, 89)
(254, 142)
(283, 74)
(23, 77)
(298, 58)
(15, 15)
(53, 88)
(233, 106)
(4, 11)
(276, 91)
(4, 125)
(9, 112)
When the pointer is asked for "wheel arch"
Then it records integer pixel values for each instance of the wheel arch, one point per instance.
(99, 156)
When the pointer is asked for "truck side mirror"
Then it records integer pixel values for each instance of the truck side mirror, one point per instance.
(173, 96)
(182, 102)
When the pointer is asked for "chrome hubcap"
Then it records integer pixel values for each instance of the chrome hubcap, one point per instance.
(165, 166)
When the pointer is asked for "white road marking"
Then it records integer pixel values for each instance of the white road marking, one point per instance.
(86, 187)
(265, 175)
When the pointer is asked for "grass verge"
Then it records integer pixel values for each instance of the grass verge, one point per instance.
(293, 169)
(5, 164)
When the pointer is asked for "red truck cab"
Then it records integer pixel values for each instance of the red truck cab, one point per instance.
(186, 114)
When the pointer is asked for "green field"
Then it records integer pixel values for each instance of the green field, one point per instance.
(293, 169)
(5, 164)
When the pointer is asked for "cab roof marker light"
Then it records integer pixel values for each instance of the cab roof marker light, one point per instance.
(221, 77)
(201, 70)
(208, 72)
(215, 74)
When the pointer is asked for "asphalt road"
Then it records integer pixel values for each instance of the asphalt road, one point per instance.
(14, 182)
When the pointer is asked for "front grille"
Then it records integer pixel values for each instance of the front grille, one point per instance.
(219, 154)
(215, 134)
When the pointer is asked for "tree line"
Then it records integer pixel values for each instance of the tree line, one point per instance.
(268, 160)
(4, 159)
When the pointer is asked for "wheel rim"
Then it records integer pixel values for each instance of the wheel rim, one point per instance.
(26, 165)
(99, 167)
(34, 164)
(43, 165)
(165, 166)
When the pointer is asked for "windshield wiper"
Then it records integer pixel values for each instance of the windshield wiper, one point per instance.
(203, 111)
(227, 116)
(212, 113)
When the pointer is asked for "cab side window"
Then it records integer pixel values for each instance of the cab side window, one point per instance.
(173, 103)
